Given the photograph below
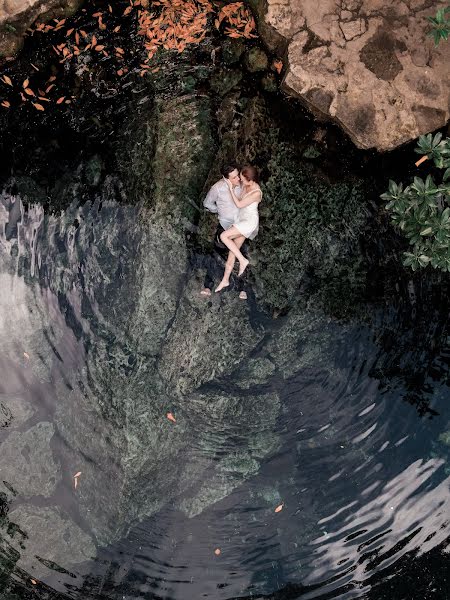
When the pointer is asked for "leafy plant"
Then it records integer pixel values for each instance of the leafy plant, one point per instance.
(440, 29)
(421, 210)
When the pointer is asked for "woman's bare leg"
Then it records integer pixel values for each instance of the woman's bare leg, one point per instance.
(230, 264)
(228, 238)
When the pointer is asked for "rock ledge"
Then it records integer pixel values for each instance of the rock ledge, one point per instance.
(368, 65)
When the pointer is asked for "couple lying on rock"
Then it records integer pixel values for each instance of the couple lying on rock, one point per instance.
(235, 198)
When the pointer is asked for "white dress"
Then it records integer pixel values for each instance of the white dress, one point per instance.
(248, 220)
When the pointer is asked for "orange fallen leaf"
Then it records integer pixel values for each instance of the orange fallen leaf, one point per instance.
(29, 91)
(99, 48)
(279, 508)
(278, 66)
(52, 78)
(7, 80)
(127, 11)
(60, 100)
(217, 551)
(25, 354)
(421, 160)
(116, 29)
(120, 72)
(6, 104)
(119, 50)
(38, 106)
(171, 417)
(25, 83)
(93, 41)
(33, 581)
(69, 32)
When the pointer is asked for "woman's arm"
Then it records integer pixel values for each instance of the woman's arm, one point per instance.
(251, 197)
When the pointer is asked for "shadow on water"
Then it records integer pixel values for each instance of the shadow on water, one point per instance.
(299, 400)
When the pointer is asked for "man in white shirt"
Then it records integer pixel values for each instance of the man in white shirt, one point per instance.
(218, 200)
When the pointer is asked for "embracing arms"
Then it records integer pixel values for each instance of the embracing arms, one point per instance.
(248, 199)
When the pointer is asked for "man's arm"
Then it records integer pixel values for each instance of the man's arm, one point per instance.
(210, 202)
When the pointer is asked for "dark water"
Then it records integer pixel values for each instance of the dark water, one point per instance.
(362, 478)
(342, 422)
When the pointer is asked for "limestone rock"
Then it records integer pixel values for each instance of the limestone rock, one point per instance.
(14, 411)
(17, 15)
(367, 65)
(47, 540)
(26, 461)
(198, 347)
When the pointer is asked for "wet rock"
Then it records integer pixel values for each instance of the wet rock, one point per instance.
(47, 540)
(5, 416)
(225, 80)
(232, 471)
(305, 234)
(199, 345)
(182, 159)
(269, 83)
(444, 438)
(216, 419)
(94, 170)
(363, 65)
(17, 15)
(232, 50)
(256, 60)
(14, 411)
(302, 341)
(27, 463)
(257, 371)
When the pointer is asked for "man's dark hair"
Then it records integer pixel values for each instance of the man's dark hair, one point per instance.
(228, 168)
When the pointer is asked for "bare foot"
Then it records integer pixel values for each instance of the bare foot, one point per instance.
(242, 266)
(243, 295)
(221, 285)
(205, 292)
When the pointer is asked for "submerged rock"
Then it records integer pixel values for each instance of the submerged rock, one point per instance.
(367, 65)
(27, 463)
(256, 60)
(14, 411)
(47, 538)
(200, 345)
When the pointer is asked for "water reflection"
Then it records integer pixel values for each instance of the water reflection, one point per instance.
(102, 333)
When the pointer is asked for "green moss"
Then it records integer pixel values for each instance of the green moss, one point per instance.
(256, 60)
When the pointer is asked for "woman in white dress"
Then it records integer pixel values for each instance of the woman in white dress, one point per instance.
(247, 223)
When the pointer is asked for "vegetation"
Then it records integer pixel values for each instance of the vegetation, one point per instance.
(421, 210)
(440, 29)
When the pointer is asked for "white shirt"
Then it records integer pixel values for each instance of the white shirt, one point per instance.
(219, 200)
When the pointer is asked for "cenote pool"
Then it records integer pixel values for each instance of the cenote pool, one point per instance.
(325, 394)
